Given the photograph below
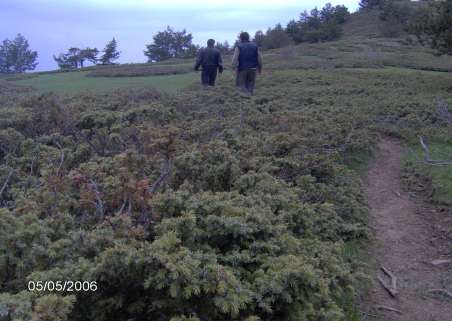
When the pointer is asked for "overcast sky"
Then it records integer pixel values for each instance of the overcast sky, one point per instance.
(52, 26)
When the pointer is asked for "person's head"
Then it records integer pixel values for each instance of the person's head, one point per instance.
(244, 37)
(210, 43)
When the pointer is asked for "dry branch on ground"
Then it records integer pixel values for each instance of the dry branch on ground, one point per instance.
(428, 159)
(392, 288)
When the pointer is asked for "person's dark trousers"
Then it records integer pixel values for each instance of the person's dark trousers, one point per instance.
(208, 75)
(246, 79)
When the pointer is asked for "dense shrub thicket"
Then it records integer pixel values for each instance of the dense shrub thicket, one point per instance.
(11, 93)
(202, 206)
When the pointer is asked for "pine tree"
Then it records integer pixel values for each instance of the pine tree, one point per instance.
(224, 47)
(76, 57)
(433, 26)
(276, 38)
(370, 4)
(259, 37)
(171, 44)
(16, 57)
(68, 60)
(89, 54)
(110, 53)
(294, 30)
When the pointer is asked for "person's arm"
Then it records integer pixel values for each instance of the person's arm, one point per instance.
(199, 59)
(220, 63)
(235, 58)
(260, 62)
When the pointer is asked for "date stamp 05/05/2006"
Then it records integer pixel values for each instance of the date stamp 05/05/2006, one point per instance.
(62, 286)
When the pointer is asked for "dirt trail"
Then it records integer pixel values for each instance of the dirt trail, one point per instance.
(405, 243)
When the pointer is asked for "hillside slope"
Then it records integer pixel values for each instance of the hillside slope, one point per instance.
(209, 204)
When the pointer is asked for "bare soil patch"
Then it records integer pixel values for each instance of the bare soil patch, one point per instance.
(407, 240)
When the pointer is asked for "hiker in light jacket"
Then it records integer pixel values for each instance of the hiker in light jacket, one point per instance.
(247, 60)
(210, 60)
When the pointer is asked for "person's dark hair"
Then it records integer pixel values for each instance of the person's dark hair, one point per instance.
(210, 43)
(244, 36)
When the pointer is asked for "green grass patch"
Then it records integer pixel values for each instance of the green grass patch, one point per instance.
(441, 176)
(137, 70)
(358, 160)
(72, 82)
(355, 252)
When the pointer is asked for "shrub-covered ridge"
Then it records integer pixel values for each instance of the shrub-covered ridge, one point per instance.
(207, 205)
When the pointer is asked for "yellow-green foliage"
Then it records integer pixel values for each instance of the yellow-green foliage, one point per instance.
(248, 223)
(53, 308)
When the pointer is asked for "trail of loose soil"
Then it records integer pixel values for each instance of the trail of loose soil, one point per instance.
(405, 243)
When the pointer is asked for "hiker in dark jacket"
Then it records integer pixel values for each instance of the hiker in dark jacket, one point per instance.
(246, 61)
(210, 60)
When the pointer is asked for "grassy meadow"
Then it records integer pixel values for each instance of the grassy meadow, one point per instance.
(73, 82)
(190, 204)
